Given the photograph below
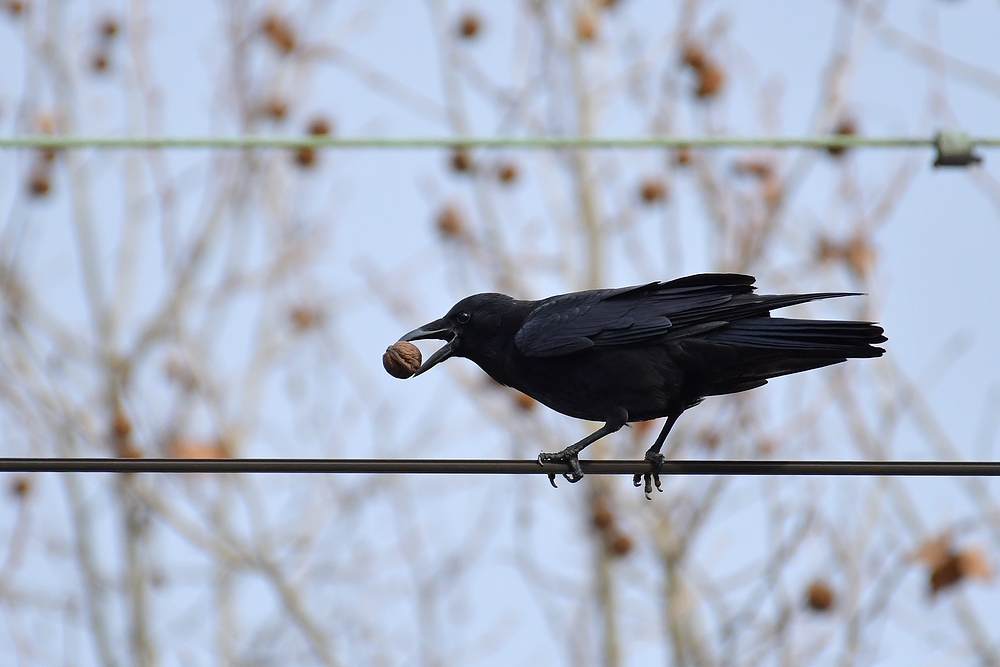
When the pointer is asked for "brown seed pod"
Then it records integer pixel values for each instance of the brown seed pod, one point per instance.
(401, 360)
(305, 156)
(121, 427)
(461, 161)
(620, 544)
(39, 184)
(950, 566)
(945, 574)
(99, 63)
(279, 32)
(683, 156)
(15, 7)
(602, 518)
(693, 56)
(845, 127)
(819, 596)
(275, 108)
(710, 80)
(507, 172)
(449, 222)
(955, 566)
(586, 25)
(653, 190)
(108, 28)
(468, 26)
(20, 487)
(320, 127)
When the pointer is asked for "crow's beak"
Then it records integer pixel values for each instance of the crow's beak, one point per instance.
(436, 329)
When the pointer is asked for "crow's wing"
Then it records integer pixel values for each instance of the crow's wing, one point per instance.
(602, 318)
(572, 322)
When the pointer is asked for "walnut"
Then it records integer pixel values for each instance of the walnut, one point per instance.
(401, 360)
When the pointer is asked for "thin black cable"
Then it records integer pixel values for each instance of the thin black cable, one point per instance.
(502, 467)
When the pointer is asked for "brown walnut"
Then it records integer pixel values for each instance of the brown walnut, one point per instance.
(401, 360)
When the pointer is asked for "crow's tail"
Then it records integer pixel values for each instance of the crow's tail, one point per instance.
(805, 338)
(766, 347)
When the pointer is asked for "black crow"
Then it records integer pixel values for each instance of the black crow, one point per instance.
(642, 352)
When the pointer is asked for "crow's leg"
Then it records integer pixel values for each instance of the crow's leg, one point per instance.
(655, 458)
(571, 454)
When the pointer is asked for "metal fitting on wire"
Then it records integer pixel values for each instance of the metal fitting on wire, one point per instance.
(954, 149)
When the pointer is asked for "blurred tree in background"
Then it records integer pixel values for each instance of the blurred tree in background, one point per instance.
(207, 303)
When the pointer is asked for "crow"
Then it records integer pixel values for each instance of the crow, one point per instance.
(642, 352)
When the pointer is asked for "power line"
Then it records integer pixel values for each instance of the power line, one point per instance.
(309, 141)
(502, 467)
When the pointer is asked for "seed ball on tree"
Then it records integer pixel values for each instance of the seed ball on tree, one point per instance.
(468, 26)
(819, 596)
(401, 360)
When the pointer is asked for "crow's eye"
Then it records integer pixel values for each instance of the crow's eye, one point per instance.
(463, 317)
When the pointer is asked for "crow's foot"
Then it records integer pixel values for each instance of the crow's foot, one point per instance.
(570, 459)
(650, 478)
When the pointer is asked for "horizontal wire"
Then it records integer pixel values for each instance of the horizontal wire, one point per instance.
(502, 466)
(310, 141)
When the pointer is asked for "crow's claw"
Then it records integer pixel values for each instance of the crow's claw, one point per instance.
(649, 479)
(573, 476)
(552, 480)
(656, 459)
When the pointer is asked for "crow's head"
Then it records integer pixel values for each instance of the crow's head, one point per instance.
(476, 327)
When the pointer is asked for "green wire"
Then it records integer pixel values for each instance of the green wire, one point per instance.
(256, 141)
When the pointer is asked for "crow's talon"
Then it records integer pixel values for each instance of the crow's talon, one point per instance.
(573, 476)
(651, 478)
(552, 480)
(655, 459)
(577, 474)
